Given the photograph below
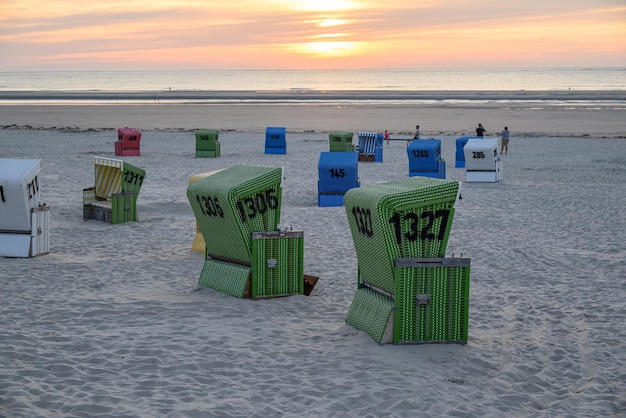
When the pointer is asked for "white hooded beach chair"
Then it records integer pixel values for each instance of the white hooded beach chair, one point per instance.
(482, 160)
(24, 220)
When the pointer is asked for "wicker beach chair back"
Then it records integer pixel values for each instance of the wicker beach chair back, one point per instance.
(24, 220)
(424, 154)
(198, 244)
(232, 204)
(341, 142)
(408, 217)
(19, 192)
(338, 172)
(481, 154)
(128, 142)
(394, 224)
(459, 154)
(275, 140)
(207, 143)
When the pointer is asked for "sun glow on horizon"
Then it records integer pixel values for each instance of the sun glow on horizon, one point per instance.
(329, 48)
(332, 22)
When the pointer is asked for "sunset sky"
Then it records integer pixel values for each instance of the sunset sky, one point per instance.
(316, 34)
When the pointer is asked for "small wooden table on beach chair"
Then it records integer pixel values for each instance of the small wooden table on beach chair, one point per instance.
(113, 198)
(238, 213)
(407, 290)
(24, 220)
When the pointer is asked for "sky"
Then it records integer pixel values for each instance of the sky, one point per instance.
(134, 35)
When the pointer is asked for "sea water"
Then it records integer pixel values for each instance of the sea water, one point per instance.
(160, 86)
(289, 80)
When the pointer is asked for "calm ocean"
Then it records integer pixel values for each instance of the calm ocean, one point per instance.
(403, 80)
(537, 79)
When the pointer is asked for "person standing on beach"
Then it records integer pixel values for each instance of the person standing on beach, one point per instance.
(480, 131)
(418, 133)
(504, 149)
(386, 137)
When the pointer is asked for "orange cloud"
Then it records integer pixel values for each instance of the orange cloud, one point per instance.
(70, 34)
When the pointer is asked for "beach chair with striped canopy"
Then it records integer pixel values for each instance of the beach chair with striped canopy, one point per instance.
(238, 213)
(407, 290)
(24, 220)
(113, 198)
(370, 146)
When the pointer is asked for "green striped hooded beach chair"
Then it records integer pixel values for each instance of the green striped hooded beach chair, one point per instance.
(113, 198)
(238, 213)
(407, 290)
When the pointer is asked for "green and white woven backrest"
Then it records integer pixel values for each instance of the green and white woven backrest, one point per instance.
(409, 217)
(232, 204)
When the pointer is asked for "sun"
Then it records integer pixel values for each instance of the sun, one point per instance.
(332, 22)
(322, 36)
(329, 48)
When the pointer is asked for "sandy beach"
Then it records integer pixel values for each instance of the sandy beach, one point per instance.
(112, 322)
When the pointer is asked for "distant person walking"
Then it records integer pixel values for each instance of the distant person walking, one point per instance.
(386, 137)
(504, 149)
(418, 133)
(480, 131)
